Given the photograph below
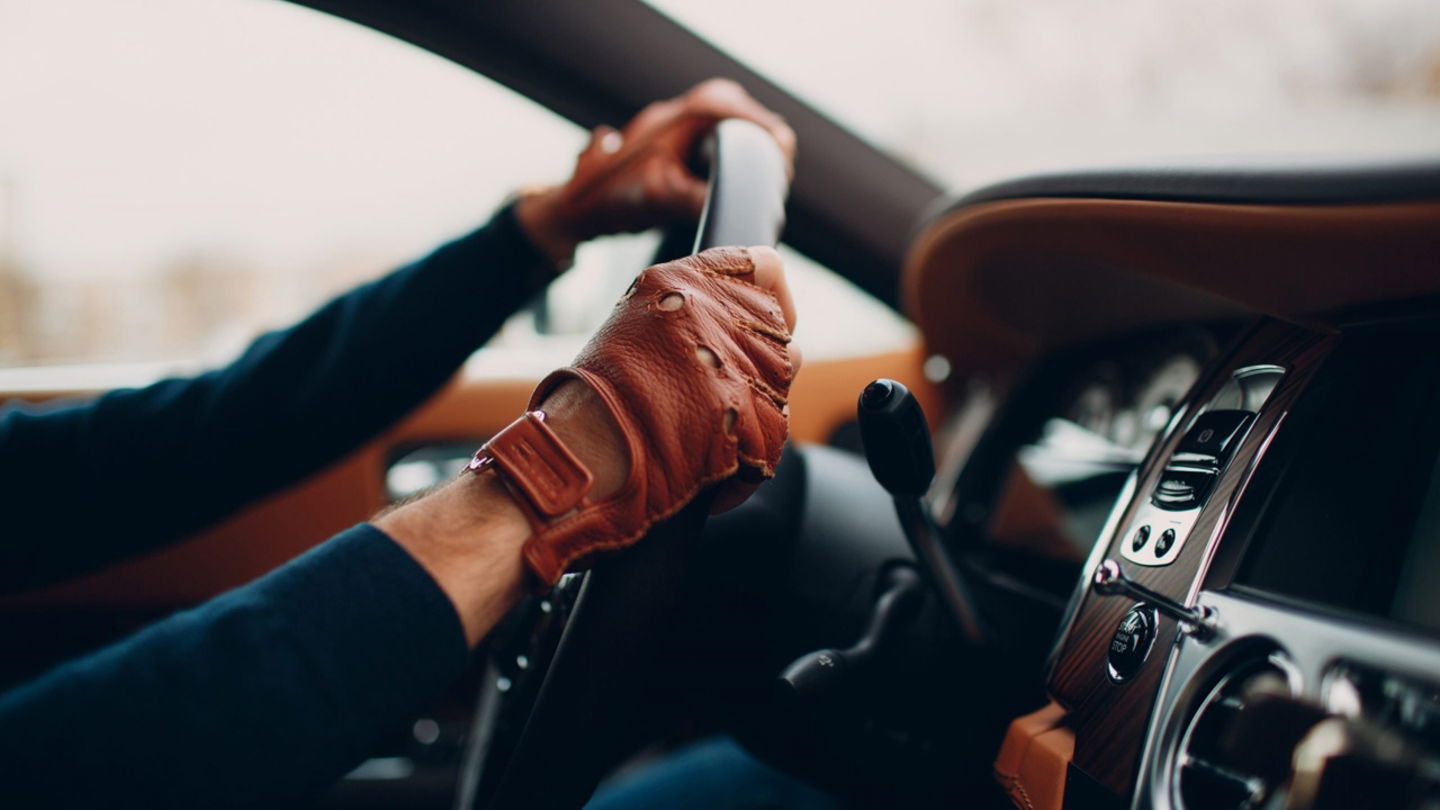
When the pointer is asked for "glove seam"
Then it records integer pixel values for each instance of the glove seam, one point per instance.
(765, 330)
(748, 287)
(771, 395)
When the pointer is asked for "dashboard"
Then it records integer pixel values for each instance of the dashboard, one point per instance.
(1216, 411)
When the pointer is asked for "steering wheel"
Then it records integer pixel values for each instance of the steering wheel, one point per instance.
(560, 701)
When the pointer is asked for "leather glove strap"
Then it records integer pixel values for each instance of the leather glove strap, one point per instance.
(533, 460)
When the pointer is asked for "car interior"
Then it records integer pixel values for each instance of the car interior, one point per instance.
(1147, 515)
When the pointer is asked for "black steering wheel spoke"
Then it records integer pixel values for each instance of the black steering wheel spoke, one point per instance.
(515, 659)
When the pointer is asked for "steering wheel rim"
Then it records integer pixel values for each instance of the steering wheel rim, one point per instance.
(587, 711)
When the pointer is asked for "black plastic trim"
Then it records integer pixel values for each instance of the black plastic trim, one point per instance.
(1308, 183)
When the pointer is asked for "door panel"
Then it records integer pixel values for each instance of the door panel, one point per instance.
(285, 524)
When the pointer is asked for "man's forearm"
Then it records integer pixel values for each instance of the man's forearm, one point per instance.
(467, 535)
(259, 698)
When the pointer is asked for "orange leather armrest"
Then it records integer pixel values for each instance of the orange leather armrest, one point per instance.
(1034, 759)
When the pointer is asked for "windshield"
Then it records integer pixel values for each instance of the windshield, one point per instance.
(972, 91)
(244, 160)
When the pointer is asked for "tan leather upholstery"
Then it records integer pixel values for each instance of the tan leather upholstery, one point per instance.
(1035, 758)
(994, 285)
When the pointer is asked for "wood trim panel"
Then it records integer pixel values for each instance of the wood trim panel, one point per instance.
(1109, 718)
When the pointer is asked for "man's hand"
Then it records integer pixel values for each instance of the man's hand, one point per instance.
(684, 388)
(632, 345)
(636, 178)
(691, 373)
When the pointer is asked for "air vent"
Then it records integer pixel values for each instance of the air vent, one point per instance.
(1224, 761)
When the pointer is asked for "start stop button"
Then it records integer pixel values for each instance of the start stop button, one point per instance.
(1130, 645)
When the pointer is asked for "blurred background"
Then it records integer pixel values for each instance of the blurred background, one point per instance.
(176, 177)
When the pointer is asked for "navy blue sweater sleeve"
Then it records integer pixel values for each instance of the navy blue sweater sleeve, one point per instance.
(85, 485)
(258, 698)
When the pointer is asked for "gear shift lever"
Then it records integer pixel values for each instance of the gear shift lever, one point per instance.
(897, 446)
(817, 673)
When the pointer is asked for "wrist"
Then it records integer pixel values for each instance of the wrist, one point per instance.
(540, 214)
(467, 535)
(580, 419)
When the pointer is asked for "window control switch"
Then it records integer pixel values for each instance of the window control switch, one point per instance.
(1182, 489)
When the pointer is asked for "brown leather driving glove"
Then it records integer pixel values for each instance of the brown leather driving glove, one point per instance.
(693, 366)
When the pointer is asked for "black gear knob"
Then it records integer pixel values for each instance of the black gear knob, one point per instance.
(896, 438)
(897, 445)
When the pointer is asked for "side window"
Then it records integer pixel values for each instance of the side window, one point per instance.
(177, 177)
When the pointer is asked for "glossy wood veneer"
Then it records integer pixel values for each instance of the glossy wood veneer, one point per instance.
(1109, 718)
